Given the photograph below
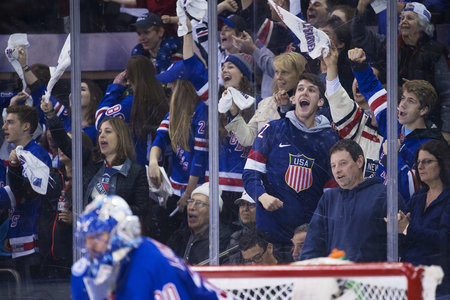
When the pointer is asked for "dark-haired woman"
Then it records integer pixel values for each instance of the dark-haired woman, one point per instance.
(143, 108)
(426, 228)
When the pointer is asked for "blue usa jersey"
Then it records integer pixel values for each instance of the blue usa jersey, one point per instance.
(372, 90)
(192, 163)
(151, 271)
(293, 166)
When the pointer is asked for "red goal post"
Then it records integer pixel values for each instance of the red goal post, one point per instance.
(364, 280)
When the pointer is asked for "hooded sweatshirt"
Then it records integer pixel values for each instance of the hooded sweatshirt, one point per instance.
(290, 162)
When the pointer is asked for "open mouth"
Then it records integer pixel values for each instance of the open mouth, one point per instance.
(192, 218)
(226, 78)
(401, 114)
(304, 104)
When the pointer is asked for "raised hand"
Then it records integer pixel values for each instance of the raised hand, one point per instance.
(357, 55)
(281, 98)
(244, 43)
(121, 78)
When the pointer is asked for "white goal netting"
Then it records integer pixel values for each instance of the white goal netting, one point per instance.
(343, 282)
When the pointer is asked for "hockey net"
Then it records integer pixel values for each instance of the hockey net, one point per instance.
(346, 281)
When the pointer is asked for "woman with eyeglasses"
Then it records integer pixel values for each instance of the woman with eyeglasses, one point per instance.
(426, 228)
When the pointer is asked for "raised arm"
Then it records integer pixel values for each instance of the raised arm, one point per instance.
(29, 76)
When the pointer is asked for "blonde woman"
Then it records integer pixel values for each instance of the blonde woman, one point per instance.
(288, 68)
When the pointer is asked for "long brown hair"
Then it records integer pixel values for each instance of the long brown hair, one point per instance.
(125, 148)
(182, 106)
(96, 96)
(150, 104)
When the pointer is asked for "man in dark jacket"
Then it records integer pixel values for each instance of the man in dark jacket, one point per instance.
(350, 217)
(191, 242)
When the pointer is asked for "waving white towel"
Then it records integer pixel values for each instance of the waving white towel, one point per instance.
(56, 73)
(195, 8)
(231, 95)
(34, 169)
(12, 54)
(312, 40)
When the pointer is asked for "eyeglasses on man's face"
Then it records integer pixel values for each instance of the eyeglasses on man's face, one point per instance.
(196, 203)
(247, 205)
(257, 258)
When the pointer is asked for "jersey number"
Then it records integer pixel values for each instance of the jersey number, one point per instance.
(201, 129)
(169, 292)
(260, 134)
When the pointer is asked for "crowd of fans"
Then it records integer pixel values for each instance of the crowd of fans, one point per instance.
(284, 195)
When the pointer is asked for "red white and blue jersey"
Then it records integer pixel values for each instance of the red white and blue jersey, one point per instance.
(292, 165)
(232, 158)
(23, 220)
(112, 105)
(151, 271)
(198, 76)
(61, 112)
(192, 163)
(7, 199)
(372, 90)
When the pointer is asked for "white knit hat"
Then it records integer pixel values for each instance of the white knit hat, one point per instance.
(204, 190)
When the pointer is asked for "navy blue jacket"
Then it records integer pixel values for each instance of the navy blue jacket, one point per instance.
(428, 236)
(350, 220)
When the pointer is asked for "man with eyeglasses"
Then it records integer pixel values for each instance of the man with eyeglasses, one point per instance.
(246, 222)
(255, 249)
(192, 241)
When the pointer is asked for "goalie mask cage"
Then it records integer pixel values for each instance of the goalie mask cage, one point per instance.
(343, 281)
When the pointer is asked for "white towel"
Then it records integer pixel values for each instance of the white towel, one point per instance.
(195, 8)
(231, 95)
(164, 190)
(312, 40)
(12, 54)
(56, 72)
(34, 169)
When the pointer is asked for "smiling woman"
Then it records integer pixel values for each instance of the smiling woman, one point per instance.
(288, 68)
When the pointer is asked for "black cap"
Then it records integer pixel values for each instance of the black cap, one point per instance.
(148, 20)
(234, 21)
